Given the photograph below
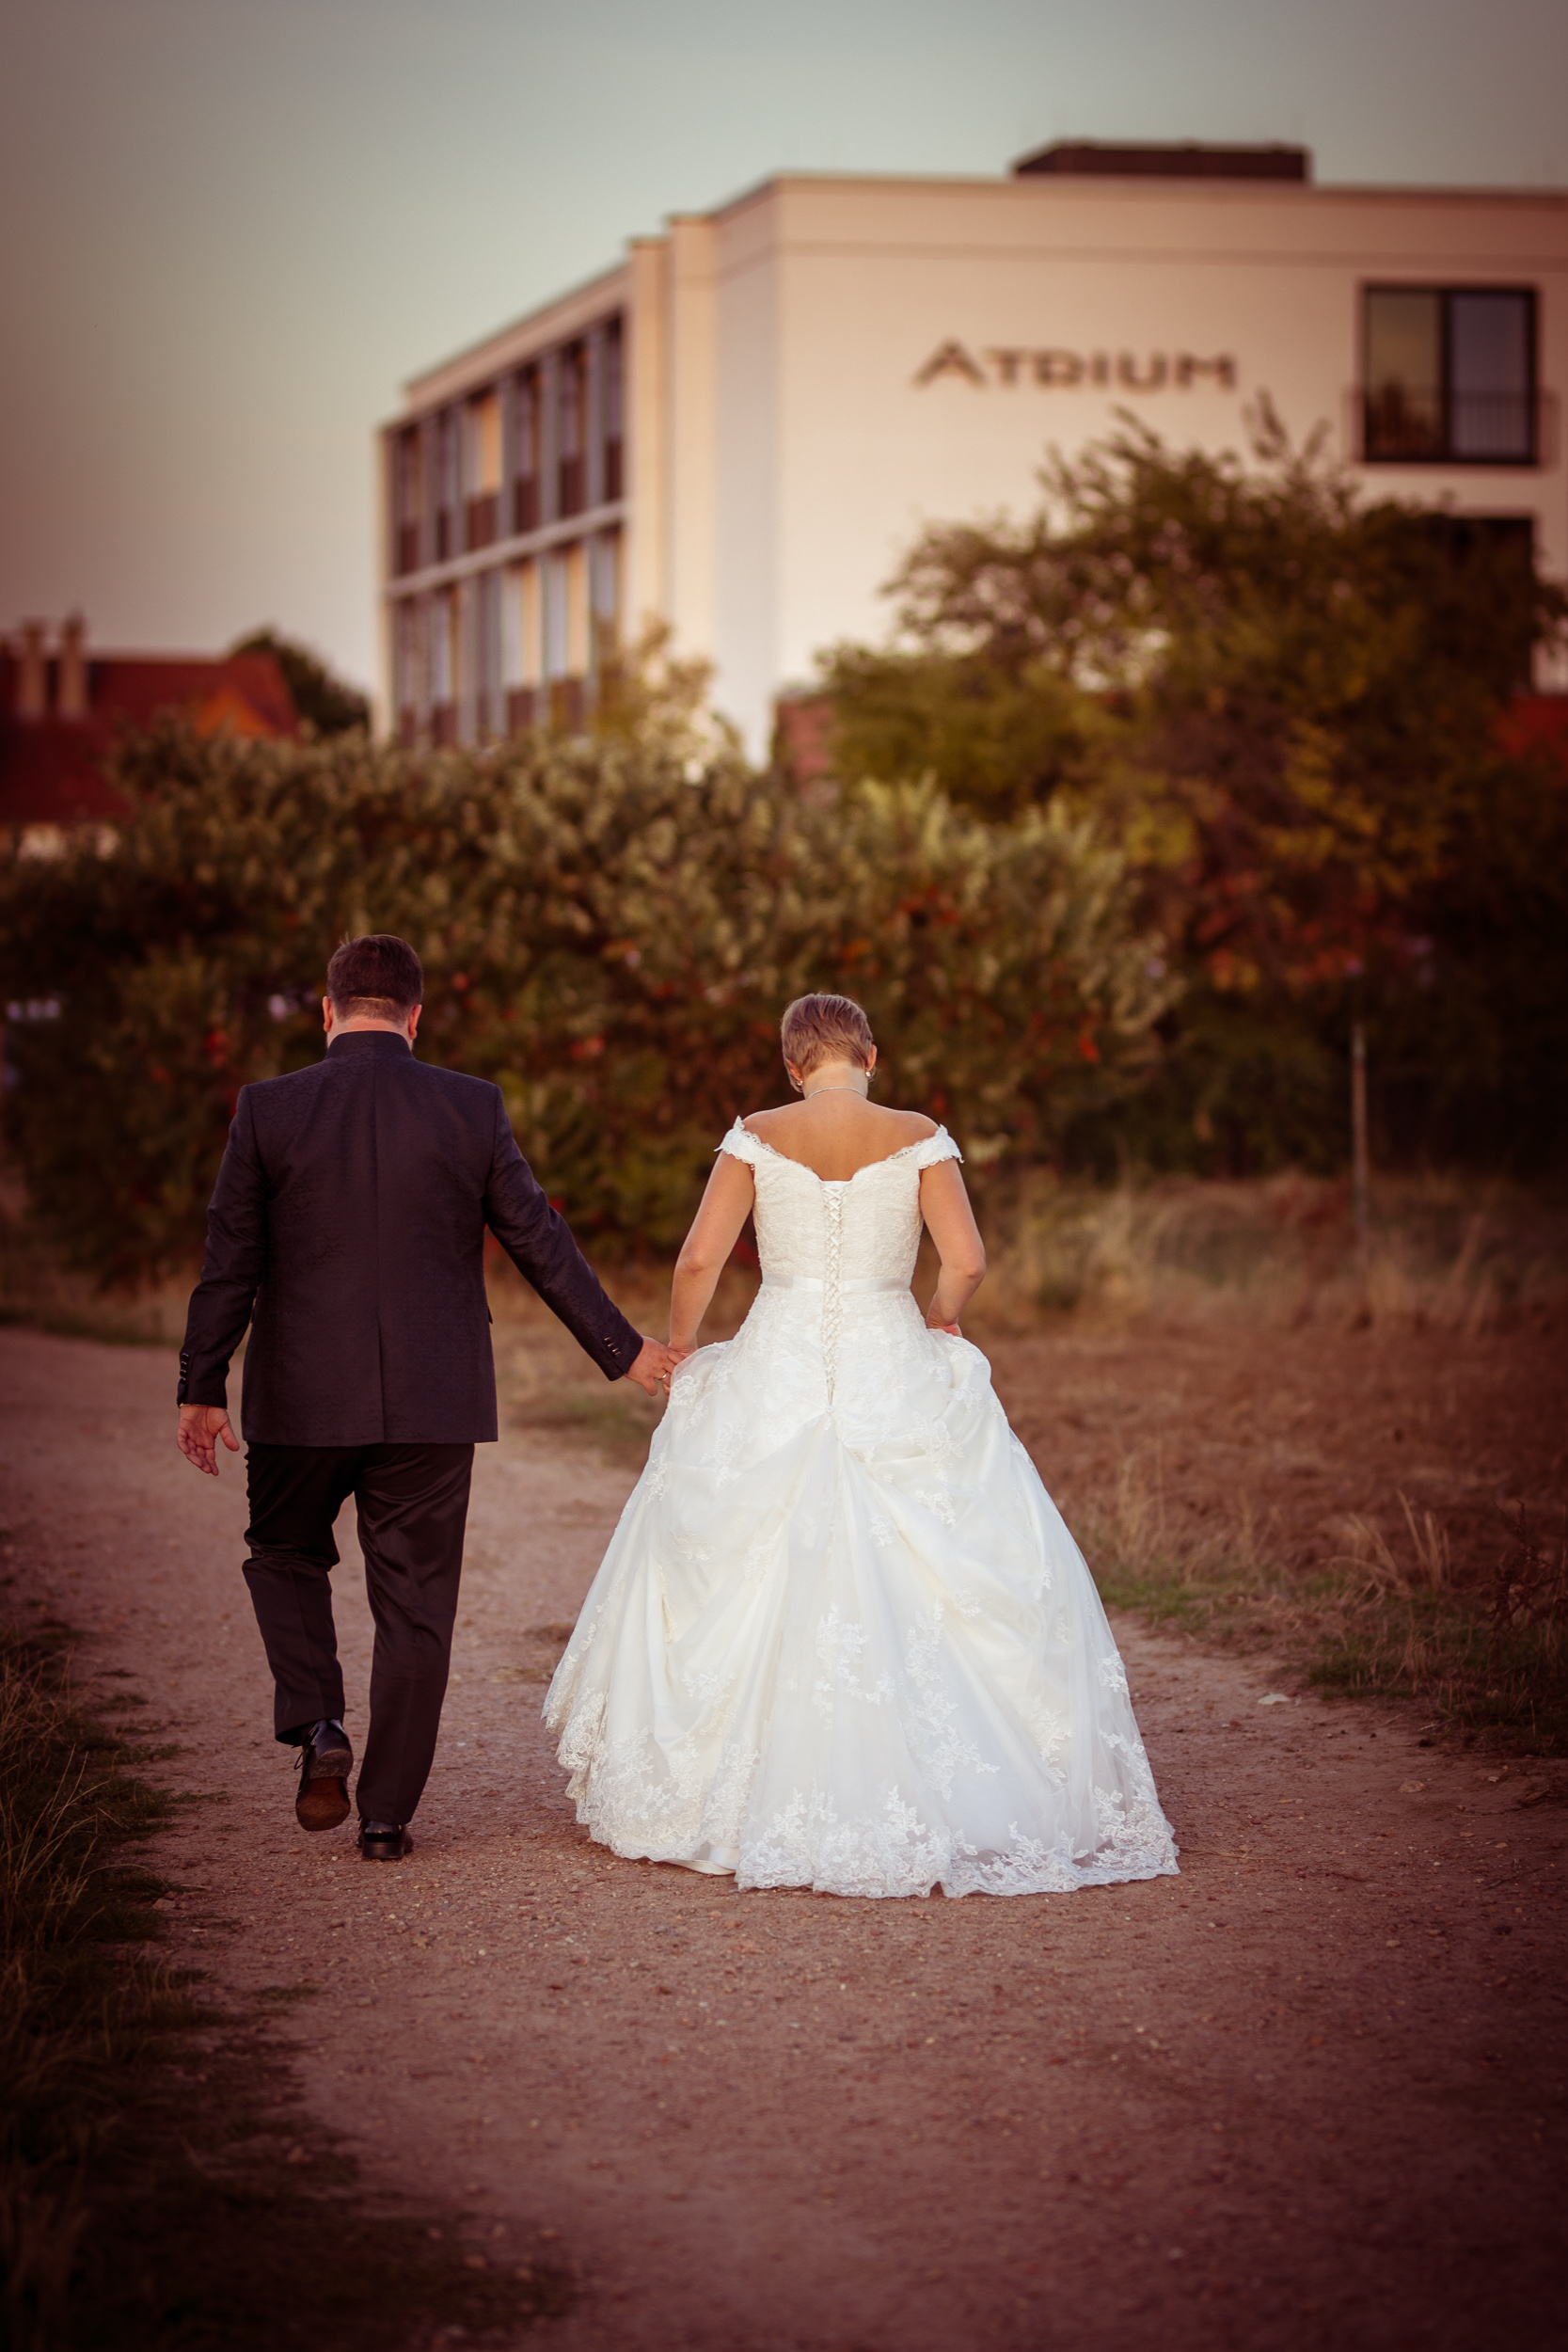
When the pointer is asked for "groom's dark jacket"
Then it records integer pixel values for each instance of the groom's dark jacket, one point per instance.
(347, 1230)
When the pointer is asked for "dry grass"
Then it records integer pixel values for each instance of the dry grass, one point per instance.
(1379, 1619)
(1446, 1254)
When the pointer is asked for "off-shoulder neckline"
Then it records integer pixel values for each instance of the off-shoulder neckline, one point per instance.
(920, 1144)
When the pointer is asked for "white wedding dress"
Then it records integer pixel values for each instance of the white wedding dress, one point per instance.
(841, 1638)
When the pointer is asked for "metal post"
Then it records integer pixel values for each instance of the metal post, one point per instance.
(1358, 1143)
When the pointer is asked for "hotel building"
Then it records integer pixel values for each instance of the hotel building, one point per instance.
(741, 429)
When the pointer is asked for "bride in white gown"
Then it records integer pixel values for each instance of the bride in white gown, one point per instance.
(841, 1638)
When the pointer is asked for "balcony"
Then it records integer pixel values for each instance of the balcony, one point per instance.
(1395, 426)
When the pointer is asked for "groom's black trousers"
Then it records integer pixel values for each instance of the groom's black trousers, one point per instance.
(412, 1501)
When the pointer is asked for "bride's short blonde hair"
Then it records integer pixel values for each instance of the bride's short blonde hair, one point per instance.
(815, 1029)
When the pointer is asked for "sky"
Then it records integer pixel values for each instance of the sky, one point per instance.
(235, 227)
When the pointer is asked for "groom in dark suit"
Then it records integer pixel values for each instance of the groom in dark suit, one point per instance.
(347, 1231)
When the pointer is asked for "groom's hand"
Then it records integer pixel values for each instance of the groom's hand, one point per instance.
(200, 1428)
(653, 1366)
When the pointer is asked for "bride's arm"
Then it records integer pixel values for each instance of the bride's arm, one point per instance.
(714, 1230)
(950, 1222)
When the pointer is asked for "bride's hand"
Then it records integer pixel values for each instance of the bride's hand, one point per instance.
(951, 1328)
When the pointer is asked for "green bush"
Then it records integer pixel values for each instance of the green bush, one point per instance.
(611, 926)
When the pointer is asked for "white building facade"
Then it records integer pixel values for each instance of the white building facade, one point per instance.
(741, 429)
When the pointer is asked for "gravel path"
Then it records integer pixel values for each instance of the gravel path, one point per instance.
(1310, 2094)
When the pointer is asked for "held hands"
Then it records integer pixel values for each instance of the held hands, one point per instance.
(200, 1428)
(654, 1364)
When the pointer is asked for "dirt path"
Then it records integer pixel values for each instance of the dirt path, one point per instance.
(1313, 2093)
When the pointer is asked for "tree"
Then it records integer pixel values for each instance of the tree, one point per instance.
(1285, 706)
(324, 700)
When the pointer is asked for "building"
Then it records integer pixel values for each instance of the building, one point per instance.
(741, 429)
(62, 710)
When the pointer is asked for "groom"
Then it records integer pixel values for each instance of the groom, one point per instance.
(347, 1231)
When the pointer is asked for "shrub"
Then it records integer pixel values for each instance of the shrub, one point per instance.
(611, 926)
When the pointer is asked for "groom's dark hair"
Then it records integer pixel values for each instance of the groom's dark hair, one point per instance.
(378, 977)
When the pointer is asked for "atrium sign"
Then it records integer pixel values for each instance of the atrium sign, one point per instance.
(1054, 368)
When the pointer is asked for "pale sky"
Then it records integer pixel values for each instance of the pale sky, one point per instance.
(232, 228)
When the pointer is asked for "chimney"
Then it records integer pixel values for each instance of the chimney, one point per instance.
(32, 693)
(71, 697)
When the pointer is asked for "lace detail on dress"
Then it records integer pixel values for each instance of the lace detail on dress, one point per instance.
(839, 1647)
(806, 1844)
(742, 1145)
(933, 1715)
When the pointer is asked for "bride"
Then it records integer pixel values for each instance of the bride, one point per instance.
(841, 1638)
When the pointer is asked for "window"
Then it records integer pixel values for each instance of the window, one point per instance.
(525, 451)
(571, 381)
(442, 667)
(613, 398)
(408, 492)
(482, 468)
(409, 645)
(520, 646)
(604, 597)
(489, 706)
(554, 648)
(1448, 376)
(447, 486)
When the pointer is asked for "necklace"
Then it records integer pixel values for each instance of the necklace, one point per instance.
(806, 1093)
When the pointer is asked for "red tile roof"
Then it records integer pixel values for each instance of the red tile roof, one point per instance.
(52, 769)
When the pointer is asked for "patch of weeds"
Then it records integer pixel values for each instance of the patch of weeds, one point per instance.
(1509, 1689)
(1225, 1585)
(162, 2189)
(1384, 1619)
(1488, 1658)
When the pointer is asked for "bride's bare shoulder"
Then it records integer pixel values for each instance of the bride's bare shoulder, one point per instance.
(763, 1123)
(899, 1130)
(914, 1125)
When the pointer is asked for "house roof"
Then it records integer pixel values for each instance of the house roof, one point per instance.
(52, 768)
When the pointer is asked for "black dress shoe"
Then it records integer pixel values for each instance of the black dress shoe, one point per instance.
(384, 1841)
(325, 1761)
